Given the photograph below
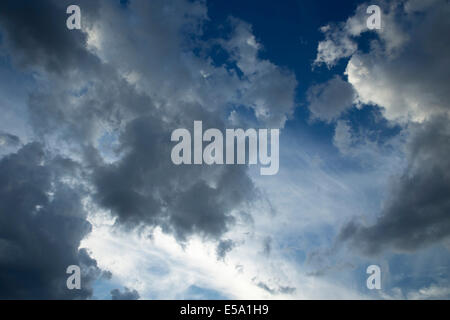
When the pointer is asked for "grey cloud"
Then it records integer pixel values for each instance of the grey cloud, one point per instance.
(277, 290)
(416, 214)
(265, 88)
(37, 32)
(329, 100)
(9, 140)
(139, 85)
(107, 275)
(287, 290)
(42, 222)
(265, 287)
(224, 247)
(145, 187)
(267, 245)
(127, 294)
(268, 89)
(82, 93)
(406, 74)
(343, 138)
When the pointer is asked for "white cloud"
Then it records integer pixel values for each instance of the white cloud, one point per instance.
(161, 63)
(341, 39)
(158, 267)
(406, 68)
(432, 292)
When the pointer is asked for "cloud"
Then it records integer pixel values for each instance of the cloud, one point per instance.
(42, 222)
(98, 99)
(283, 290)
(405, 73)
(127, 294)
(371, 147)
(388, 74)
(256, 84)
(343, 138)
(224, 247)
(9, 140)
(433, 292)
(329, 100)
(410, 83)
(341, 39)
(104, 101)
(267, 245)
(266, 88)
(160, 268)
(416, 213)
(37, 34)
(145, 187)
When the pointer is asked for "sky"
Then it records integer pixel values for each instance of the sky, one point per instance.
(86, 176)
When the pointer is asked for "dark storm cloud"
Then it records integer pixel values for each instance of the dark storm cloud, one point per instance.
(127, 294)
(417, 213)
(36, 32)
(42, 222)
(78, 100)
(145, 187)
(212, 216)
(37, 39)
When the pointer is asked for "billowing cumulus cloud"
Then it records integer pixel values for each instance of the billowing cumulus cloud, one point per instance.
(405, 70)
(405, 73)
(86, 176)
(268, 89)
(104, 101)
